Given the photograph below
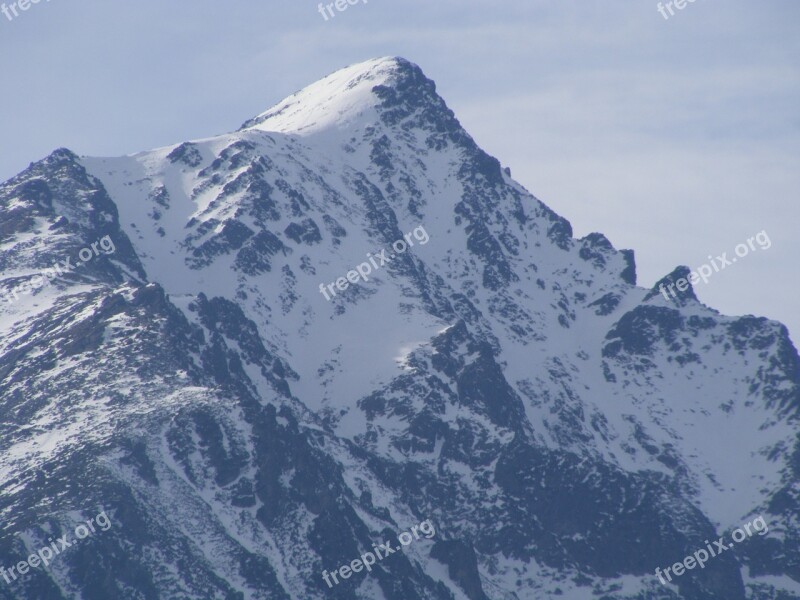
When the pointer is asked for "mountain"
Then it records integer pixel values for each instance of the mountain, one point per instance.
(262, 355)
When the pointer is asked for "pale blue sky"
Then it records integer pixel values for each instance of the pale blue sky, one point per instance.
(679, 138)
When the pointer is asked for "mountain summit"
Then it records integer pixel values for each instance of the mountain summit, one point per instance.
(341, 99)
(266, 353)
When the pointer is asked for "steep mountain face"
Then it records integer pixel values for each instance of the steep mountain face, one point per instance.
(250, 411)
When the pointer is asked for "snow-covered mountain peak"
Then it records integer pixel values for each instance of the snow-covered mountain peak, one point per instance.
(346, 318)
(337, 100)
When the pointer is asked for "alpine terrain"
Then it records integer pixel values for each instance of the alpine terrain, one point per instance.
(188, 345)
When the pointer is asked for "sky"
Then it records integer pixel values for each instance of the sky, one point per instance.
(677, 137)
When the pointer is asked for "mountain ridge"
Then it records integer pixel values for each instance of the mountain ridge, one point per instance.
(558, 424)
